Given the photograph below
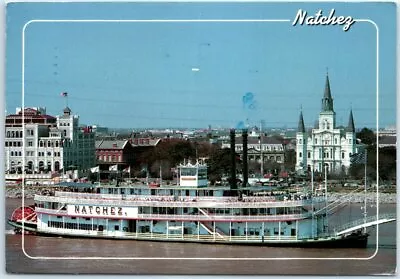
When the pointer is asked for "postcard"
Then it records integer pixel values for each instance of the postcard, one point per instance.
(200, 138)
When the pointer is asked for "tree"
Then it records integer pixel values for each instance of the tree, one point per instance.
(290, 160)
(219, 164)
(366, 136)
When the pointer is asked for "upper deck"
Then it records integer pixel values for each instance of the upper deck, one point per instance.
(177, 201)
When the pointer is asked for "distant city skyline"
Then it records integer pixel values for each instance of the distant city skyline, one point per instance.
(195, 74)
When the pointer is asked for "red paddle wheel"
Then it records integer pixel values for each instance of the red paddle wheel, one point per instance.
(26, 213)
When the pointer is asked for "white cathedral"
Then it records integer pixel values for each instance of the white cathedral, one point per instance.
(325, 146)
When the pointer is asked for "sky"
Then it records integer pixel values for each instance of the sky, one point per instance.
(195, 74)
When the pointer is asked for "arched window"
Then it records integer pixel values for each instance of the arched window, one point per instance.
(41, 166)
(300, 154)
(12, 153)
(56, 166)
(8, 134)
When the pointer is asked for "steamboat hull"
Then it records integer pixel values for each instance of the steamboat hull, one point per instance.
(356, 240)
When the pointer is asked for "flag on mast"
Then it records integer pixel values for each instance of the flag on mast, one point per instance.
(128, 169)
(64, 94)
(95, 169)
(359, 158)
(113, 168)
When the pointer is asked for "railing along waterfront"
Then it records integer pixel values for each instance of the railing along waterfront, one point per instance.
(197, 217)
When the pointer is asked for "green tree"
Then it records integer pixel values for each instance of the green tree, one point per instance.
(219, 164)
(290, 160)
(367, 136)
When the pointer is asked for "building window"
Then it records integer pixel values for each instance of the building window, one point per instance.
(342, 155)
(300, 155)
(316, 141)
(335, 140)
(30, 143)
(309, 155)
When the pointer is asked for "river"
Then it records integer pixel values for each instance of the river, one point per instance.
(147, 258)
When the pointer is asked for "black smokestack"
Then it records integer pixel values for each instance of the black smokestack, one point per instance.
(245, 166)
(233, 162)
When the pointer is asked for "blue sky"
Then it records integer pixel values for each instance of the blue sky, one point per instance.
(136, 75)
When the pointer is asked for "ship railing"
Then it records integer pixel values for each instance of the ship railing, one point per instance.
(185, 237)
(201, 218)
(184, 199)
(365, 220)
(234, 218)
(128, 200)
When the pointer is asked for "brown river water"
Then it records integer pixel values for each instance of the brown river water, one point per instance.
(167, 258)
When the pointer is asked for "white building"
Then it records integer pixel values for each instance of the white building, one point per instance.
(50, 143)
(326, 145)
(259, 146)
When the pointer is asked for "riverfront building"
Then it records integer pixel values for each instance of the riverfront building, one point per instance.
(50, 143)
(260, 148)
(325, 145)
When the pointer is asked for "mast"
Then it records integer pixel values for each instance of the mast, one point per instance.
(365, 190)
(147, 176)
(312, 196)
(160, 175)
(261, 153)
(326, 198)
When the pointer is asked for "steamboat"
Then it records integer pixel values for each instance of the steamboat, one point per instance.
(192, 211)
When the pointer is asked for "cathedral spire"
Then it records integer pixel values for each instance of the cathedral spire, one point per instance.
(301, 128)
(350, 127)
(327, 101)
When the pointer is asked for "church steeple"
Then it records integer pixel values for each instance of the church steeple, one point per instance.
(301, 128)
(327, 101)
(350, 126)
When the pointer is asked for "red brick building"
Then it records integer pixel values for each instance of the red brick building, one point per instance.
(114, 152)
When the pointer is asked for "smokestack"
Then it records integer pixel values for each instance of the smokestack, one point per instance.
(233, 161)
(245, 166)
